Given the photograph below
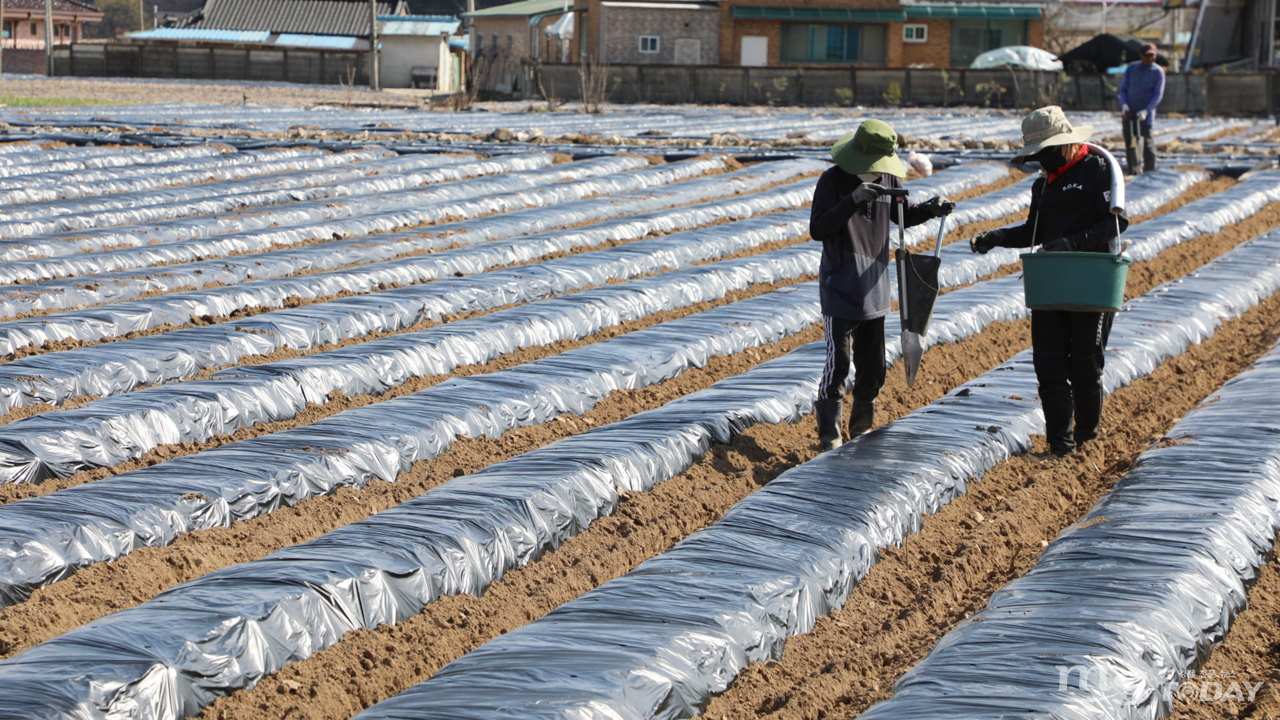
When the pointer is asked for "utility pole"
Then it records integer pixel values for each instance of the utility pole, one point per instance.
(48, 36)
(142, 18)
(1, 37)
(373, 45)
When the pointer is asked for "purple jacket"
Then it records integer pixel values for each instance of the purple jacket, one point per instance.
(1141, 88)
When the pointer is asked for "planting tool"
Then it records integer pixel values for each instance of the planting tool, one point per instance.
(917, 292)
(1135, 146)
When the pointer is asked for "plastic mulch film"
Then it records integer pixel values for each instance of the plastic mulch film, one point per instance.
(1123, 607)
(658, 641)
(367, 249)
(621, 121)
(55, 377)
(354, 173)
(42, 186)
(228, 629)
(239, 397)
(118, 367)
(383, 211)
(1144, 195)
(111, 284)
(81, 158)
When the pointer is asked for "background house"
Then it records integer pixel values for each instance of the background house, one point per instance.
(418, 46)
(650, 32)
(873, 32)
(24, 22)
(23, 31)
(506, 35)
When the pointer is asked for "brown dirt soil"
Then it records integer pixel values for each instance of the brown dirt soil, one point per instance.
(463, 623)
(1250, 653)
(649, 522)
(980, 542)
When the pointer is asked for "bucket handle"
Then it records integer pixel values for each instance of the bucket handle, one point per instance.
(1117, 200)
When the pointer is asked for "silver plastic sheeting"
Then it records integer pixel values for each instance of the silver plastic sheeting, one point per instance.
(53, 185)
(58, 444)
(114, 369)
(387, 249)
(519, 222)
(349, 175)
(621, 120)
(377, 212)
(72, 372)
(453, 539)
(80, 158)
(659, 641)
(120, 518)
(1123, 607)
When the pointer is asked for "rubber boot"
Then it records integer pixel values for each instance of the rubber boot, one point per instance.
(829, 413)
(1058, 410)
(862, 417)
(1088, 416)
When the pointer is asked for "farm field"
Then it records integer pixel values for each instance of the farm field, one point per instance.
(332, 413)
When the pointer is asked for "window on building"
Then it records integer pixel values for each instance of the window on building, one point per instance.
(493, 47)
(971, 38)
(8, 30)
(479, 43)
(915, 33)
(649, 43)
(842, 43)
(33, 29)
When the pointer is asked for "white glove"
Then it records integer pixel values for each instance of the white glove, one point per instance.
(1142, 115)
(1124, 109)
(867, 192)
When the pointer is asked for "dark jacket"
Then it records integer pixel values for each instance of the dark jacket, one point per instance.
(1076, 205)
(853, 278)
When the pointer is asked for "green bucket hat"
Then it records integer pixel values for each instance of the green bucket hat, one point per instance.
(872, 149)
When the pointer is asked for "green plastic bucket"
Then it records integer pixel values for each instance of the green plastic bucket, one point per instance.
(1076, 281)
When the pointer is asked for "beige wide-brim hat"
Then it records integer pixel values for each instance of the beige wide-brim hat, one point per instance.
(872, 149)
(1046, 128)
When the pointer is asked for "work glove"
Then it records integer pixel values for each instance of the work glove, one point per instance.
(938, 206)
(1142, 115)
(1059, 245)
(984, 241)
(867, 192)
(1124, 110)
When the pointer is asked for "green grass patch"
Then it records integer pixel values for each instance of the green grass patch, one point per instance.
(27, 101)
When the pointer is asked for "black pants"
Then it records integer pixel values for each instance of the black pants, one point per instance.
(1148, 147)
(859, 340)
(1067, 351)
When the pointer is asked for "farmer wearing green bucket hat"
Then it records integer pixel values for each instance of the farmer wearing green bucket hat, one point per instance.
(850, 217)
(1070, 212)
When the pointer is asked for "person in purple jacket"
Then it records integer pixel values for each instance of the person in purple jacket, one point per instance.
(1141, 89)
(850, 217)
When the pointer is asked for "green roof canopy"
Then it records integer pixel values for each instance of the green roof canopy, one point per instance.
(807, 13)
(972, 12)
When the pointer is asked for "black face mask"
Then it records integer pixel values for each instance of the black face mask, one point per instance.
(1051, 159)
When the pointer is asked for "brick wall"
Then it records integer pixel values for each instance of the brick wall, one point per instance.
(623, 26)
(935, 52)
(30, 62)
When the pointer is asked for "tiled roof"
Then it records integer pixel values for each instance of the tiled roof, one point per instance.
(304, 17)
(69, 6)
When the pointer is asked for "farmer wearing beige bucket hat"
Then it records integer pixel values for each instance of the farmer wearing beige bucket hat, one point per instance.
(850, 217)
(1070, 212)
